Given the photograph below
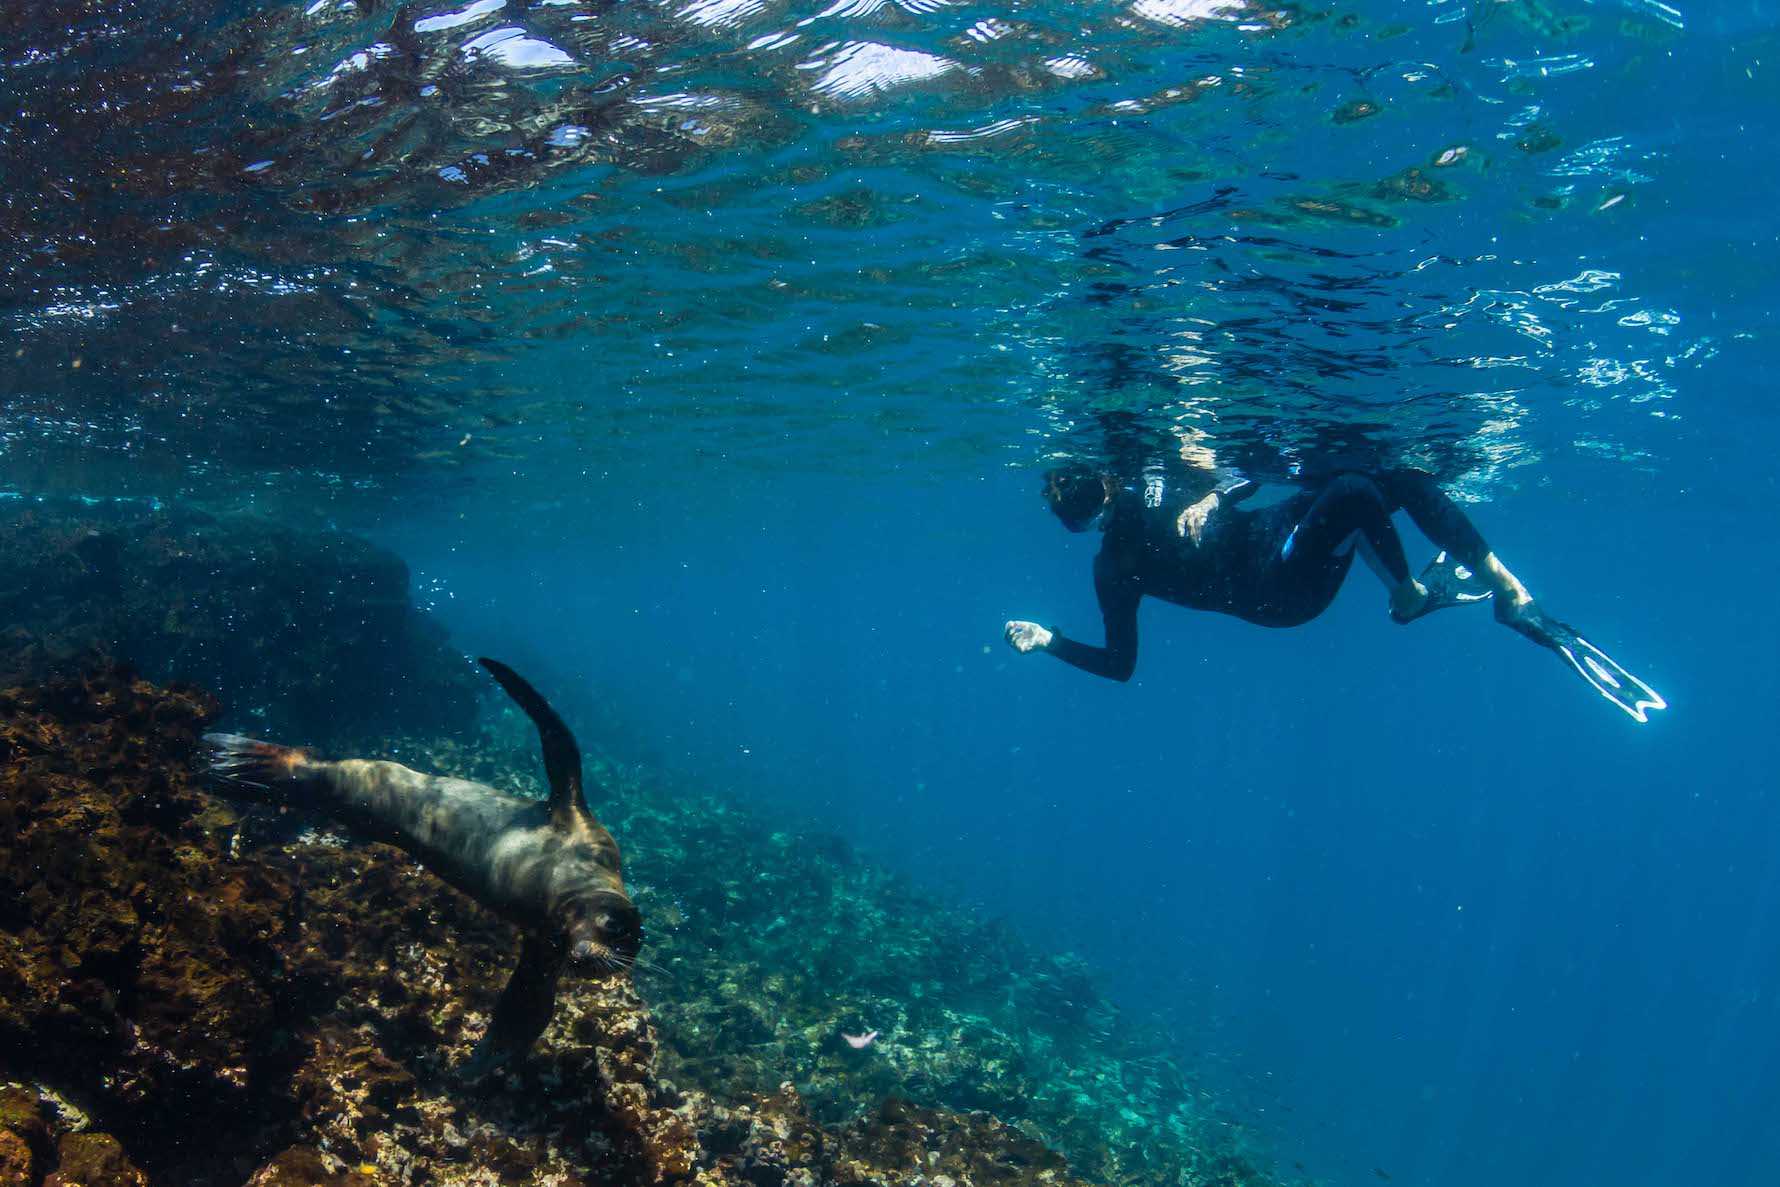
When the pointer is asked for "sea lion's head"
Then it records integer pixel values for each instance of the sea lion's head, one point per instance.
(604, 931)
(599, 925)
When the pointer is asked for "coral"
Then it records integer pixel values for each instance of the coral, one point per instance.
(903, 1144)
(768, 945)
(291, 1011)
(297, 632)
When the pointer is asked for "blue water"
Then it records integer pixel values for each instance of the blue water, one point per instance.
(709, 373)
(1424, 902)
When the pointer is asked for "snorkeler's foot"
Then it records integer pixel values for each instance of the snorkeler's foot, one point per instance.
(1445, 582)
(1631, 695)
(1409, 601)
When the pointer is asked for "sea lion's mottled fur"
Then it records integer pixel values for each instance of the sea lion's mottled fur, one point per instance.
(550, 868)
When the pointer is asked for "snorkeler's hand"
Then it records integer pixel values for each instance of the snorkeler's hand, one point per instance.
(1027, 636)
(1192, 520)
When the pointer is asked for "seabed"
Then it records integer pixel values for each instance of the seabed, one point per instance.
(195, 991)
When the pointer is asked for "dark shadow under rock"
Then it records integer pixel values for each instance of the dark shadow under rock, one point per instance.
(311, 636)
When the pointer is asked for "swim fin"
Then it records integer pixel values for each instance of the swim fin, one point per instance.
(1606, 677)
(1448, 583)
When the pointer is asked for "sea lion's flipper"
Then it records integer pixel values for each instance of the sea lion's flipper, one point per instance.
(250, 768)
(523, 1011)
(562, 758)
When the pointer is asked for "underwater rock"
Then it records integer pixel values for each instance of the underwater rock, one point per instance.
(774, 1142)
(213, 1010)
(293, 1012)
(128, 955)
(301, 634)
(24, 1135)
(18, 1163)
(778, 1144)
(36, 1150)
(305, 1166)
(93, 1160)
(903, 1145)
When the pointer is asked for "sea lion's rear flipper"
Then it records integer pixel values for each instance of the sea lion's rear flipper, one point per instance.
(523, 1011)
(562, 758)
(250, 768)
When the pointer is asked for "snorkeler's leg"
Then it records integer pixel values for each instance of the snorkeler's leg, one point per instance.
(1473, 572)
(1442, 520)
(1351, 511)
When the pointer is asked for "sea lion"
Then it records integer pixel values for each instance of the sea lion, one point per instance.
(549, 867)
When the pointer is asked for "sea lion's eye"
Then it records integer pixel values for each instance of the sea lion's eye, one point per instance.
(603, 921)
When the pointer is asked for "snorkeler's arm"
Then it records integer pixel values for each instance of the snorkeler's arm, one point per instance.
(1118, 608)
(1234, 490)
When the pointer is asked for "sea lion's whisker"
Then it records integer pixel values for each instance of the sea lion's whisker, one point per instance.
(648, 966)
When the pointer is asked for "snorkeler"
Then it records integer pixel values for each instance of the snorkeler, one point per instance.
(1281, 565)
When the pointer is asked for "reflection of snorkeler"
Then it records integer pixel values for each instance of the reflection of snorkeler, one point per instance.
(1280, 565)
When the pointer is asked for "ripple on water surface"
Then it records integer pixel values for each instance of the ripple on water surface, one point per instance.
(354, 242)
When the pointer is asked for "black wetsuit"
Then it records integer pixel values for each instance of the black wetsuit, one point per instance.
(1278, 565)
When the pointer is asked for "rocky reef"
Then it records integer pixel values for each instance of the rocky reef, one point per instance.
(183, 1004)
(301, 634)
